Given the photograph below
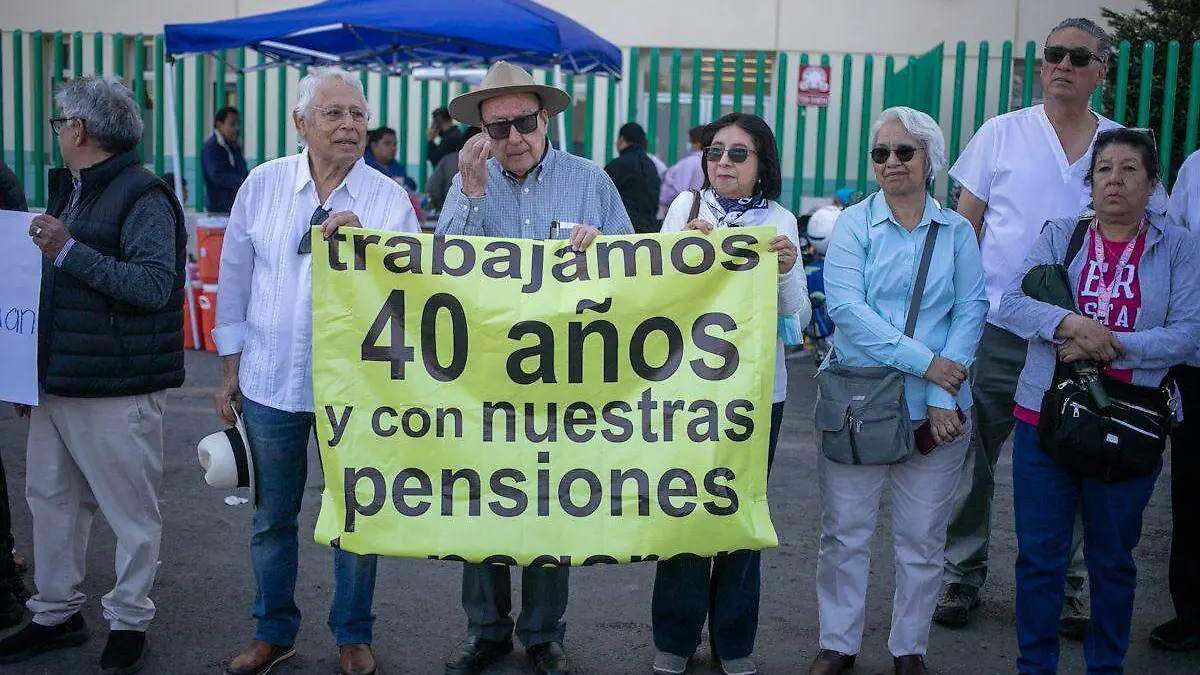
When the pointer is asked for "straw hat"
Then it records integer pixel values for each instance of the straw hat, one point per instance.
(226, 458)
(505, 78)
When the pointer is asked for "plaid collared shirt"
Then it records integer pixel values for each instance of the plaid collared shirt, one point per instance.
(562, 188)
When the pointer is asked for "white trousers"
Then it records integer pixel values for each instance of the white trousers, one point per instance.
(86, 455)
(923, 490)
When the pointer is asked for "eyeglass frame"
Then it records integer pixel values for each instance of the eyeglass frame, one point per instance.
(319, 216)
(512, 124)
(727, 152)
(895, 151)
(1068, 53)
(346, 112)
(56, 123)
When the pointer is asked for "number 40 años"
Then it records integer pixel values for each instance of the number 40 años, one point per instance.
(398, 352)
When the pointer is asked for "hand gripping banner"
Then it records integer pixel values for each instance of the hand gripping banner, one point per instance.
(514, 401)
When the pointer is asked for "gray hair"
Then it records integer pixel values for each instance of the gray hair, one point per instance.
(318, 76)
(1103, 41)
(111, 116)
(921, 127)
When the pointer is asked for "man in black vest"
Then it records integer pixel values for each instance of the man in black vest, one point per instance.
(110, 343)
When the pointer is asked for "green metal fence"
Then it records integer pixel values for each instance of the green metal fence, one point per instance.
(667, 90)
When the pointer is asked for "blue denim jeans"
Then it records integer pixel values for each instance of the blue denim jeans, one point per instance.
(279, 441)
(1045, 496)
(725, 589)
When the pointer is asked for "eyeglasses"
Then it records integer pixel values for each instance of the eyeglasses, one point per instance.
(904, 153)
(737, 155)
(525, 124)
(318, 217)
(1080, 56)
(56, 124)
(337, 114)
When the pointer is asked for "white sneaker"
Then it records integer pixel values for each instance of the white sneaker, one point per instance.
(666, 663)
(742, 666)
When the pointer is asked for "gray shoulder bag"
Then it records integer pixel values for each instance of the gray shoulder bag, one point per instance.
(862, 414)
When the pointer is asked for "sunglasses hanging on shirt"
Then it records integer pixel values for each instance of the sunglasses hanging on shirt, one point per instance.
(318, 217)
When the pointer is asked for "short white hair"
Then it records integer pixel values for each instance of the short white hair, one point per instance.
(318, 76)
(921, 127)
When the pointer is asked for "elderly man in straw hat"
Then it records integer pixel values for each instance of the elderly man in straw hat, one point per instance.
(526, 190)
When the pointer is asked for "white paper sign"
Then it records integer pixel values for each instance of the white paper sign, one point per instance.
(20, 292)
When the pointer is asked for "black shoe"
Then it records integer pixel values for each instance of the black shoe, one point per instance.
(1073, 623)
(474, 654)
(1176, 635)
(35, 639)
(12, 610)
(955, 604)
(124, 652)
(548, 658)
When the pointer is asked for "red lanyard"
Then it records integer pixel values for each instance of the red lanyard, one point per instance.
(1104, 302)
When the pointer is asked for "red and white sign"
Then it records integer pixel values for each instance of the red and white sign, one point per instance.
(814, 86)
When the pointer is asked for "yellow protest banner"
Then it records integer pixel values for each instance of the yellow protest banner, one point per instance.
(515, 401)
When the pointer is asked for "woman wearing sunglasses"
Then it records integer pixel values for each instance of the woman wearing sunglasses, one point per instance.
(873, 270)
(741, 183)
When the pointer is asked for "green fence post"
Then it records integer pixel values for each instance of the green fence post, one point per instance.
(36, 46)
(260, 131)
(935, 93)
(781, 75)
(118, 56)
(889, 71)
(981, 86)
(798, 160)
(56, 79)
(718, 76)
(1120, 96)
(610, 120)
(697, 74)
(569, 113)
(281, 113)
(844, 121)
(632, 84)
(241, 88)
(864, 132)
(652, 88)
(402, 128)
(760, 67)
(364, 78)
(1143, 118)
(589, 118)
(159, 104)
(1029, 74)
(18, 98)
(1005, 77)
(739, 79)
(1193, 111)
(1170, 85)
(202, 115)
(910, 81)
(97, 54)
(383, 99)
(2, 100)
(179, 130)
(139, 85)
(956, 105)
(822, 128)
(673, 115)
(423, 169)
(77, 54)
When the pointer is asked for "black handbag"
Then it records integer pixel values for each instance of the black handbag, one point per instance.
(1124, 439)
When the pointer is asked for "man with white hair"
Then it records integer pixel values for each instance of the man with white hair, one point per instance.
(264, 334)
(110, 343)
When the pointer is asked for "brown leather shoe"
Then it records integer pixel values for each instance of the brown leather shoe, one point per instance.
(913, 664)
(357, 660)
(829, 662)
(259, 658)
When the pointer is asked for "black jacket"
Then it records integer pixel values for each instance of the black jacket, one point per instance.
(222, 177)
(12, 195)
(453, 140)
(637, 180)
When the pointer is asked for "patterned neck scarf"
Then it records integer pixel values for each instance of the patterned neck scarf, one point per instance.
(737, 212)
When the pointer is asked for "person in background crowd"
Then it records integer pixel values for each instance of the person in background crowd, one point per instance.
(264, 301)
(443, 137)
(1020, 170)
(438, 185)
(686, 174)
(110, 340)
(636, 178)
(660, 167)
(224, 164)
(1140, 315)
(524, 176)
(381, 156)
(869, 273)
(12, 590)
(741, 183)
(169, 179)
(1183, 632)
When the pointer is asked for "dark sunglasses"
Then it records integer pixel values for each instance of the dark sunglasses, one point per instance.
(318, 217)
(904, 153)
(713, 153)
(1080, 56)
(525, 124)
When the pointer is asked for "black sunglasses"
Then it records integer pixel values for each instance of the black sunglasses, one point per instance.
(713, 153)
(1080, 56)
(525, 124)
(317, 218)
(904, 153)
(56, 124)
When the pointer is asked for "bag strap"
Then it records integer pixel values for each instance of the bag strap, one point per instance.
(914, 308)
(1077, 237)
(695, 205)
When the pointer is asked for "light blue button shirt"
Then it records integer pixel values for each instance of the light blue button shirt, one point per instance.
(870, 271)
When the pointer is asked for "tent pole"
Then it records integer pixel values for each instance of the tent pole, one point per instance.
(563, 143)
(177, 166)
